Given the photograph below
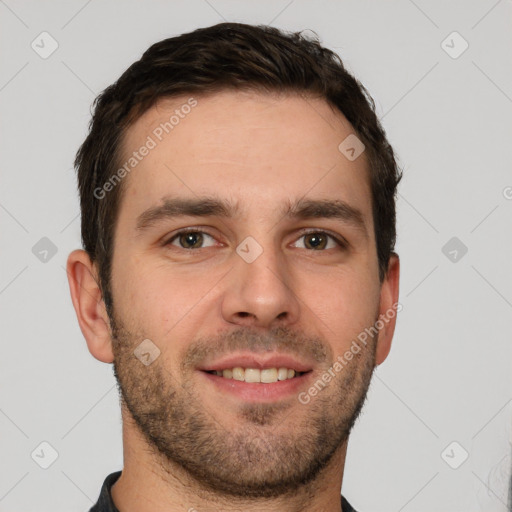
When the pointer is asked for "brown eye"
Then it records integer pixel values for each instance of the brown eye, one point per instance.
(194, 239)
(319, 240)
(316, 240)
(189, 239)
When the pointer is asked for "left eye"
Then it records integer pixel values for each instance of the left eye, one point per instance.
(320, 240)
(192, 239)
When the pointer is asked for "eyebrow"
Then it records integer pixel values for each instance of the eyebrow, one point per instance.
(214, 207)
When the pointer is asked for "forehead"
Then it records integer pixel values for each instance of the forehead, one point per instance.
(258, 149)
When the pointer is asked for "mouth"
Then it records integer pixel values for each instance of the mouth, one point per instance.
(258, 375)
(252, 385)
(257, 378)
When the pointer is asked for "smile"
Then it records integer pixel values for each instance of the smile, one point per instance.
(265, 375)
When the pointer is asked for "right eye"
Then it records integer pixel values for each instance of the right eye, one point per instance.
(189, 238)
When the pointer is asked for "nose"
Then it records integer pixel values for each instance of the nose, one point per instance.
(260, 293)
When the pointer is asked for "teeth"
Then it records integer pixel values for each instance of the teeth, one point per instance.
(267, 375)
(238, 373)
(282, 373)
(252, 375)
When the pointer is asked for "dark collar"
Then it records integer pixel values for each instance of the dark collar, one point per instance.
(105, 503)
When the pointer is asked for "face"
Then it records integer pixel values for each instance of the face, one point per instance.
(278, 287)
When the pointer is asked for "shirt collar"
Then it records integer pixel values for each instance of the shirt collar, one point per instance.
(106, 504)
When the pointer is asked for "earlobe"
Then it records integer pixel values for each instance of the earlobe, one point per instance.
(89, 306)
(389, 307)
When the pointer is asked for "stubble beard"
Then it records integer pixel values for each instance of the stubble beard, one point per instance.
(256, 458)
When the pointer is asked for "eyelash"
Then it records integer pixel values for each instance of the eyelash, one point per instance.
(338, 240)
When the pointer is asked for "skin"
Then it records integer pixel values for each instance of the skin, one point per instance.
(187, 446)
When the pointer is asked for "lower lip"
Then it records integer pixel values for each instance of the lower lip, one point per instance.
(259, 391)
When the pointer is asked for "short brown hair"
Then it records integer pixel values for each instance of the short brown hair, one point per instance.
(221, 57)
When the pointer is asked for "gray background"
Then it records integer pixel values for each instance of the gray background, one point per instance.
(447, 378)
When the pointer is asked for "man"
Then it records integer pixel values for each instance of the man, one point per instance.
(238, 219)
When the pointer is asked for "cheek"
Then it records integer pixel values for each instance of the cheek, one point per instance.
(159, 299)
(344, 302)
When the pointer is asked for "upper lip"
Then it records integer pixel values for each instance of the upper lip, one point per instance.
(261, 361)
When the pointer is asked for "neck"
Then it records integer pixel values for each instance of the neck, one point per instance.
(149, 483)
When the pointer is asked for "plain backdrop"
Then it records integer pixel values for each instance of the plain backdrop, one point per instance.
(435, 434)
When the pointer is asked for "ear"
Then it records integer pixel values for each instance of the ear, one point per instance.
(388, 308)
(89, 306)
